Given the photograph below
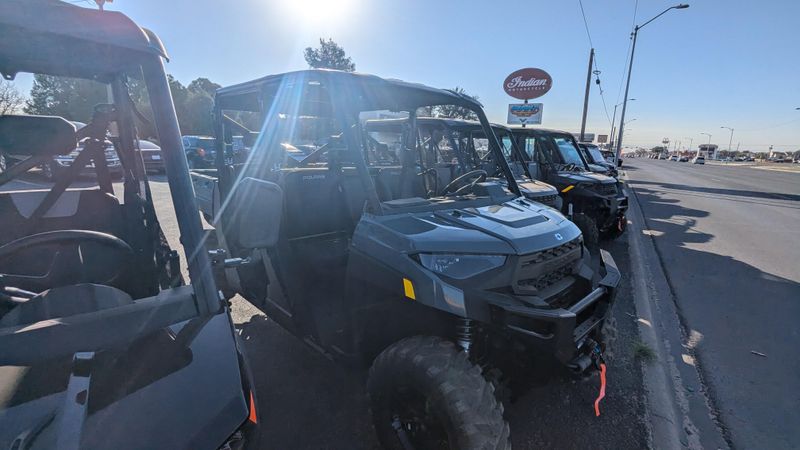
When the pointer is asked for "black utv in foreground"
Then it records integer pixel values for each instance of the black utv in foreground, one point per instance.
(595, 202)
(456, 140)
(102, 345)
(378, 249)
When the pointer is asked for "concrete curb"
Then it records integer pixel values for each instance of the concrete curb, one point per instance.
(679, 414)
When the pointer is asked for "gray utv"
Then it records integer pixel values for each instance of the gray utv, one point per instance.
(597, 203)
(379, 250)
(102, 345)
(464, 140)
(596, 161)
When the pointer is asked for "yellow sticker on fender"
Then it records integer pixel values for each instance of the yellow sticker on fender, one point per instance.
(568, 188)
(408, 287)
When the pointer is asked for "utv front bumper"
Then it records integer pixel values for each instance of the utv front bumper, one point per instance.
(560, 331)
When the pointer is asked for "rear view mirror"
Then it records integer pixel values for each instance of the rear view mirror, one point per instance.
(257, 210)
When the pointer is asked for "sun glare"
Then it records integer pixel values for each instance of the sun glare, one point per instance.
(315, 12)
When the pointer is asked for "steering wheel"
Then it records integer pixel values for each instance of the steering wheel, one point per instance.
(71, 237)
(461, 184)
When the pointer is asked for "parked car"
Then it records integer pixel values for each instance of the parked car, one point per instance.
(102, 343)
(151, 155)
(699, 160)
(200, 151)
(355, 249)
(53, 167)
(673, 158)
(683, 159)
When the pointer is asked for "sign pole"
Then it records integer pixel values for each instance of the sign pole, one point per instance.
(586, 95)
(525, 102)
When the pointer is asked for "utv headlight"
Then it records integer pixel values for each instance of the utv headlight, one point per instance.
(460, 266)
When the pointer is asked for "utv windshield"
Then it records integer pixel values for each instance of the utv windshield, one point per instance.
(441, 149)
(568, 151)
(596, 155)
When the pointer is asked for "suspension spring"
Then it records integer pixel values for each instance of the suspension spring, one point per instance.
(464, 334)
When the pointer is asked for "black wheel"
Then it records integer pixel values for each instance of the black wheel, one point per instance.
(426, 394)
(616, 230)
(588, 226)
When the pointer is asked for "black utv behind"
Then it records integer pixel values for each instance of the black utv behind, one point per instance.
(597, 203)
(380, 250)
(102, 345)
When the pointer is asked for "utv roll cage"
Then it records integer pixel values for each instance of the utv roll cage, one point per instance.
(106, 47)
(272, 95)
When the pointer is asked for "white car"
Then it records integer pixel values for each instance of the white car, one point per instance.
(699, 160)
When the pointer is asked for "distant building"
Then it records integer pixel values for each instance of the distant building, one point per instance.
(709, 151)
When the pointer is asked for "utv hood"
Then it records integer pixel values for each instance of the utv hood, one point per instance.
(515, 227)
(586, 177)
(535, 188)
(177, 388)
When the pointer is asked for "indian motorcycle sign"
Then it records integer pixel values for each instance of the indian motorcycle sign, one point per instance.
(529, 83)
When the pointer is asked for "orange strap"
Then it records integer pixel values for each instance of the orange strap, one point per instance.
(602, 390)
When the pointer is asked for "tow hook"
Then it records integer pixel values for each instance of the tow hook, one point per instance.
(591, 355)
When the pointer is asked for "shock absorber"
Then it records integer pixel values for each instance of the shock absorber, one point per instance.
(464, 334)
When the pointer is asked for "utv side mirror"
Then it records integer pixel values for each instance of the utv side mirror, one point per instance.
(257, 209)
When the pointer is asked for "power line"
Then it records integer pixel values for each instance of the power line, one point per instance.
(585, 23)
(628, 52)
(596, 68)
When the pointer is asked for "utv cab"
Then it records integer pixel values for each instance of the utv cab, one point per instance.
(102, 345)
(456, 140)
(377, 249)
(595, 202)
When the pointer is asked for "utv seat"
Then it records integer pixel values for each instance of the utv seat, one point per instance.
(314, 202)
(83, 209)
(80, 208)
(65, 301)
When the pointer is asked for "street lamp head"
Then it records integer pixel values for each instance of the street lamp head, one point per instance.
(682, 6)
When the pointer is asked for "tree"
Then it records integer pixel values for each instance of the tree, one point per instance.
(70, 98)
(11, 99)
(455, 112)
(329, 55)
(204, 85)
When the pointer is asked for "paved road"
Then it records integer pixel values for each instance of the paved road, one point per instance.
(728, 240)
(307, 401)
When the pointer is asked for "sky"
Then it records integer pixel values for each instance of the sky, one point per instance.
(718, 63)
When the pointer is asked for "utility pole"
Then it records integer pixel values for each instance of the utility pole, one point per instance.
(630, 69)
(586, 95)
(730, 142)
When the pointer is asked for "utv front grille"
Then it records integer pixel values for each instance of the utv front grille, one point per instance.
(549, 200)
(547, 280)
(538, 271)
(607, 189)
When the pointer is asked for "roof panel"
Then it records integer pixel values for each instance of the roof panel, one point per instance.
(53, 37)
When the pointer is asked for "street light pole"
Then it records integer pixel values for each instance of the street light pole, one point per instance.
(630, 69)
(614, 124)
(730, 142)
